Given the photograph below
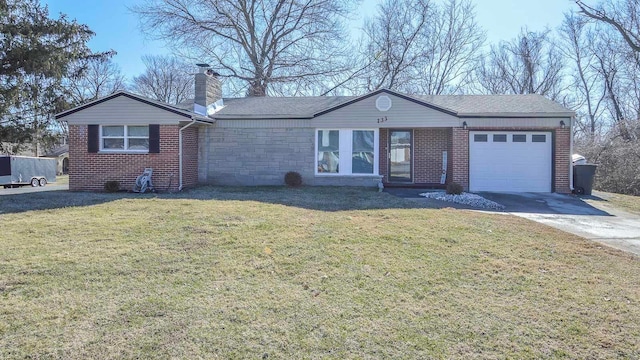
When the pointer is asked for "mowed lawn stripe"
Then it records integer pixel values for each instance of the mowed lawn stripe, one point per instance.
(304, 273)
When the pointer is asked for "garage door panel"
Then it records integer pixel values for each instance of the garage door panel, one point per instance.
(510, 166)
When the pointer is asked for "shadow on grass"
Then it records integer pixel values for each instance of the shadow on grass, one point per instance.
(312, 198)
(593, 197)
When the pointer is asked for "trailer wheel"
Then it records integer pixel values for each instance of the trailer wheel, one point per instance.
(43, 182)
(35, 182)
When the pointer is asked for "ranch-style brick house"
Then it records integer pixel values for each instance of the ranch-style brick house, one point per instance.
(504, 143)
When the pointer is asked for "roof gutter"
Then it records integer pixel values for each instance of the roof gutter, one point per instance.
(512, 115)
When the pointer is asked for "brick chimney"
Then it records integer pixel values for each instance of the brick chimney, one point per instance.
(208, 87)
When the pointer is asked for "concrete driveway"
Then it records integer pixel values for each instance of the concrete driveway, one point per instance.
(596, 221)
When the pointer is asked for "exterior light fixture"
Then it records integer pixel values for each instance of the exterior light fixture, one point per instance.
(562, 124)
(464, 125)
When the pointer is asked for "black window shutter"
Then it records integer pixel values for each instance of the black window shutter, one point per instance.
(5, 166)
(93, 141)
(154, 139)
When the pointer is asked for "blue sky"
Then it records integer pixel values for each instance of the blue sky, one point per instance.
(117, 28)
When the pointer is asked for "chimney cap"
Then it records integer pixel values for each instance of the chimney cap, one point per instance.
(203, 65)
(212, 73)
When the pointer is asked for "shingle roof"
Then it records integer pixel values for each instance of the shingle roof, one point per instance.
(468, 105)
(294, 107)
(461, 105)
(310, 106)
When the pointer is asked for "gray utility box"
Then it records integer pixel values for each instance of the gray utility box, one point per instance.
(23, 170)
(583, 175)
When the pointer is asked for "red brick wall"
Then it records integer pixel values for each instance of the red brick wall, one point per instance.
(460, 157)
(428, 145)
(562, 160)
(89, 171)
(190, 156)
(384, 151)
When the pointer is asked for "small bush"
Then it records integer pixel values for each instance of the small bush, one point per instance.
(293, 178)
(454, 188)
(112, 186)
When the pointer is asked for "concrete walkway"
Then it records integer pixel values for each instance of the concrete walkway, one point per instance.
(595, 221)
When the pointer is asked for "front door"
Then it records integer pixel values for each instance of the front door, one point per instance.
(400, 156)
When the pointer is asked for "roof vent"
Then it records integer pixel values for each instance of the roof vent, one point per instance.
(383, 103)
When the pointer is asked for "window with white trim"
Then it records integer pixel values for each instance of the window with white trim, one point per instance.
(124, 138)
(347, 152)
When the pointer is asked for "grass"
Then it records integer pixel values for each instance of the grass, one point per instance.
(626, 202)
(61, 180)
(302, 273)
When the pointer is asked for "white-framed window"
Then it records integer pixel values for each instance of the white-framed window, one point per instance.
(134, 138)
(347, 152)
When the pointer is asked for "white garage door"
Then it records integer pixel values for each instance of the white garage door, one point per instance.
(510, 161)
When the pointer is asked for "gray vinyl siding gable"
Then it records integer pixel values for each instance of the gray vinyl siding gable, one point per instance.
(122, 110)
(403, 114)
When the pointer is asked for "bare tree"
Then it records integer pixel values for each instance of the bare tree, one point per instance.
(453, 48)
(394, 40)
(166, 79)
(418, 46)
(98, 78)
(258, 42)
(619, 65)
(611, 47)
(623, 15)
(587, 90)
(529, 64)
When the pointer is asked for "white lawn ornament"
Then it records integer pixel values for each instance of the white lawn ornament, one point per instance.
(143, 182)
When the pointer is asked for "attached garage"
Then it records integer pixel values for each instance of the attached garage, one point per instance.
(519, 161)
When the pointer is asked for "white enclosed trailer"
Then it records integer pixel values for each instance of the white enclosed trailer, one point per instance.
(23, 170)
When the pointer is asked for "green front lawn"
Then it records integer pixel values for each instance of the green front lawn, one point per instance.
(303, 273)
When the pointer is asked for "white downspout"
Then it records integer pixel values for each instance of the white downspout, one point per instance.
(193, 121)
(573, 119)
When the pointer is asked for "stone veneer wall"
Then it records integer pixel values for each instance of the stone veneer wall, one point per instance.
(253, 156)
